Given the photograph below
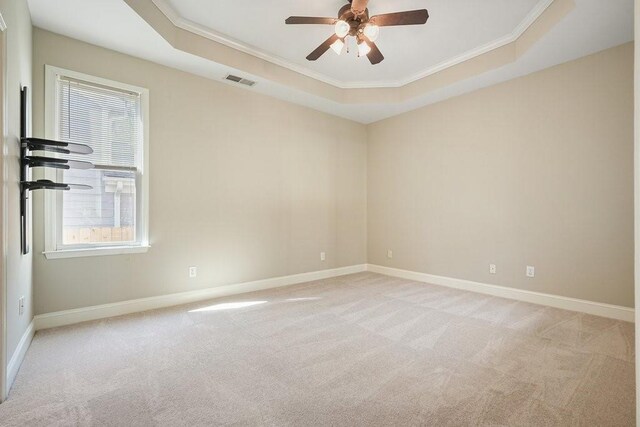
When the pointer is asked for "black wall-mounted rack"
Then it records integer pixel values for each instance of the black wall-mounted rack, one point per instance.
(28, 144)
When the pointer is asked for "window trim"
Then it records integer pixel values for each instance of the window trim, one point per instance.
(51, 204)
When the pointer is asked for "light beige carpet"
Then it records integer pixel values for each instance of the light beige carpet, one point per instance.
(363, 350)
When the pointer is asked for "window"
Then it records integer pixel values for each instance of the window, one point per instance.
(112, 119)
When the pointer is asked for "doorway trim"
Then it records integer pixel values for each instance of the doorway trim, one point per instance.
(3, 211)
(637, 198)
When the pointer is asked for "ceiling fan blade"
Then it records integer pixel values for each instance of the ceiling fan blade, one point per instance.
(310, 20)
(375, 56)
(412, 17)
(358, 7)
(320, 50)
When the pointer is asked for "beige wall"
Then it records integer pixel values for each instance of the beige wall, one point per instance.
(243, 186)
(535, 171)
(18, 266)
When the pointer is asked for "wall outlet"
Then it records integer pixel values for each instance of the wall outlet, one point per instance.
(21, 306)
(193, 272)
(492, 269)
(323, 256)
(389, 254)
(531, 271)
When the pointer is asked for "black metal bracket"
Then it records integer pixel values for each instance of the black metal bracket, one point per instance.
(50, 162)
(29, 161)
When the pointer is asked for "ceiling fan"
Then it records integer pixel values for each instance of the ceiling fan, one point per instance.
(353, 20)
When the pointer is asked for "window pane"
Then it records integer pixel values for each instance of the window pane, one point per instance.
(109, 120)
(105, 214)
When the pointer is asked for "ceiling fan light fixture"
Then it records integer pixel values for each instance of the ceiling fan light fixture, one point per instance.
(371, 31)
(342, 28)
(354, 21)
(363, 49)
(338, 46)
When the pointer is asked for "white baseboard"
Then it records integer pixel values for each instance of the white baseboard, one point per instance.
(572, 304)
(68, 317)
(18, 355)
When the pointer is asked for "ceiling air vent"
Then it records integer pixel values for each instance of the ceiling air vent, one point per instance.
(240, 80)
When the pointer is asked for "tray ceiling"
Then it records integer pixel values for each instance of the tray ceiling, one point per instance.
(456, 30)
(564, 30)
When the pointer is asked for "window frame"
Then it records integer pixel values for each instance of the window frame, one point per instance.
(53, 199)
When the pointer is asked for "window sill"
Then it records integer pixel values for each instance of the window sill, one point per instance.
(78, 253)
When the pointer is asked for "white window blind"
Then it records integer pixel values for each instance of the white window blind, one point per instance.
(107, 119)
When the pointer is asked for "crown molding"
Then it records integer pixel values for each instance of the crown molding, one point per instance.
(529, 20)
(203, 31)
(210, 34)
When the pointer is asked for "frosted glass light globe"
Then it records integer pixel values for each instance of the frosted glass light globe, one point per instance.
(342, 28)
(338, 46)
(372, 31)
(363, 49)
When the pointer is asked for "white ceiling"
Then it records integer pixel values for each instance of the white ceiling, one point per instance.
(593, 25)
(455, 27)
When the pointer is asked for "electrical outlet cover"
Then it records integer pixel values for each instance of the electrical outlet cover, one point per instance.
(531, 271)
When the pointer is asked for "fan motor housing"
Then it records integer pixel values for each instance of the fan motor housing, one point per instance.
(356, 22)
